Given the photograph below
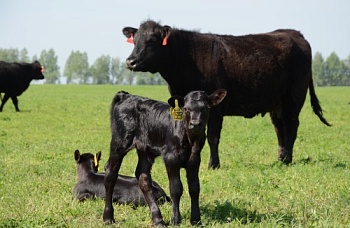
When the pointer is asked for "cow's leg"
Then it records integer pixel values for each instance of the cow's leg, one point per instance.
(192, 169)
(112, 169)
(176, 188)
(214, 129)
(3, 102)
(15, 102)
(143, 174)
(286, 128)
(280, 132)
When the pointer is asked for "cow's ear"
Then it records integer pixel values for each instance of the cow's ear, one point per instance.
(129, 32)
(180, 101)
(77, 155)
(165, 34)
(217, 96)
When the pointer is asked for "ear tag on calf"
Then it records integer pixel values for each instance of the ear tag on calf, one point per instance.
(96, 163)
(130, 39)
(176, 112)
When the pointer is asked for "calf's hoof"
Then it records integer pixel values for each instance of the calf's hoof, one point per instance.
(109, 221)
(214, 166)
(159, 224)
(196, 223)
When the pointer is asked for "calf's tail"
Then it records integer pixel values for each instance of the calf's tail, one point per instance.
(316, 107)
(117, 97)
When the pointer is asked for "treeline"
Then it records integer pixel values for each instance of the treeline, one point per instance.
(330, 71)
(77, 70)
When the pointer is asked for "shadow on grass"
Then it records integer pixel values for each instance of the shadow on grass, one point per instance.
(225, 212)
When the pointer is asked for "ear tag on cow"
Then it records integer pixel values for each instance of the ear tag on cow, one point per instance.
(176, 112)
(96, 163)
(130, 39)
(165, 40)
(42, 69)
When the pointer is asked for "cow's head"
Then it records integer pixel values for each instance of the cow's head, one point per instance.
(38, 70)
(196, 106)
(150, 48)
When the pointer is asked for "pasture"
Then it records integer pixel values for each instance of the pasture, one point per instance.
(251, 189)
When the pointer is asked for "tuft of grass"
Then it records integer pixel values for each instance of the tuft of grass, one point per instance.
(251, 188)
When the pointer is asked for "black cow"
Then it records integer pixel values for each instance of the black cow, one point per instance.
(15, 79)
(91, 183)
(146, 125)
(262, 73)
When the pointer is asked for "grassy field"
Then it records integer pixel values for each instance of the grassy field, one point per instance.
(251, 188)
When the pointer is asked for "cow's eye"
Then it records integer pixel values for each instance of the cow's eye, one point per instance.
(151, 39)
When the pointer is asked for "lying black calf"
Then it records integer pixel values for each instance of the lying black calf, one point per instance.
(91, 184)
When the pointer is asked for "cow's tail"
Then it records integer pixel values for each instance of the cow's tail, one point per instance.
(316, 107)
(118, 97)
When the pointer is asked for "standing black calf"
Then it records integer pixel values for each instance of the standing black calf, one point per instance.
(15, 79)
(90, 184)
(147, 125)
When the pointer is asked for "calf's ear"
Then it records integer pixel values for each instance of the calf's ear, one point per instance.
(98, 155)
(180, 100)
(77, 155)
(217, 96)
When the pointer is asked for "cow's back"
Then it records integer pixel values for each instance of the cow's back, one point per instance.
(13, 77)
(259, 69)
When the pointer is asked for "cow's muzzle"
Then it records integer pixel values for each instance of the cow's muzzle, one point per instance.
(131, 64)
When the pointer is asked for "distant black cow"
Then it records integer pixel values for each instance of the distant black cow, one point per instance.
(15, 79)
(147, 125)
(91, 184)
(262, 73)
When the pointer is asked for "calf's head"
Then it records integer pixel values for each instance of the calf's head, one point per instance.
(37, 70)
(87, 161)
(195, 106)
(150, 42)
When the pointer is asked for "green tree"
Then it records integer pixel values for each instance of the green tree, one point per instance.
(335, 71)
(117, 71)
(23, 56)
(49, 60)
(100, 70)
(9, 55)
(318, 69)
(149, 79)
(347, 71)
(77, 68)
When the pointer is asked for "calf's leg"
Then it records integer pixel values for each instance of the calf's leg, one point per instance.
(112, 170)
(192, 169)
(176, 189)
(143, 174)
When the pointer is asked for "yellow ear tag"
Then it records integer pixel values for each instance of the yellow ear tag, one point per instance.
(176, 112)
(96, 163)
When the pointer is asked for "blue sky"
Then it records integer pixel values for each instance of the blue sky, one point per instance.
(95, 26)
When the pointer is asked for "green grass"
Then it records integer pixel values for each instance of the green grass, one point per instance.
(251, 188)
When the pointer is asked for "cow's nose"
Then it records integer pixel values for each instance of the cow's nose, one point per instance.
(130, 63)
